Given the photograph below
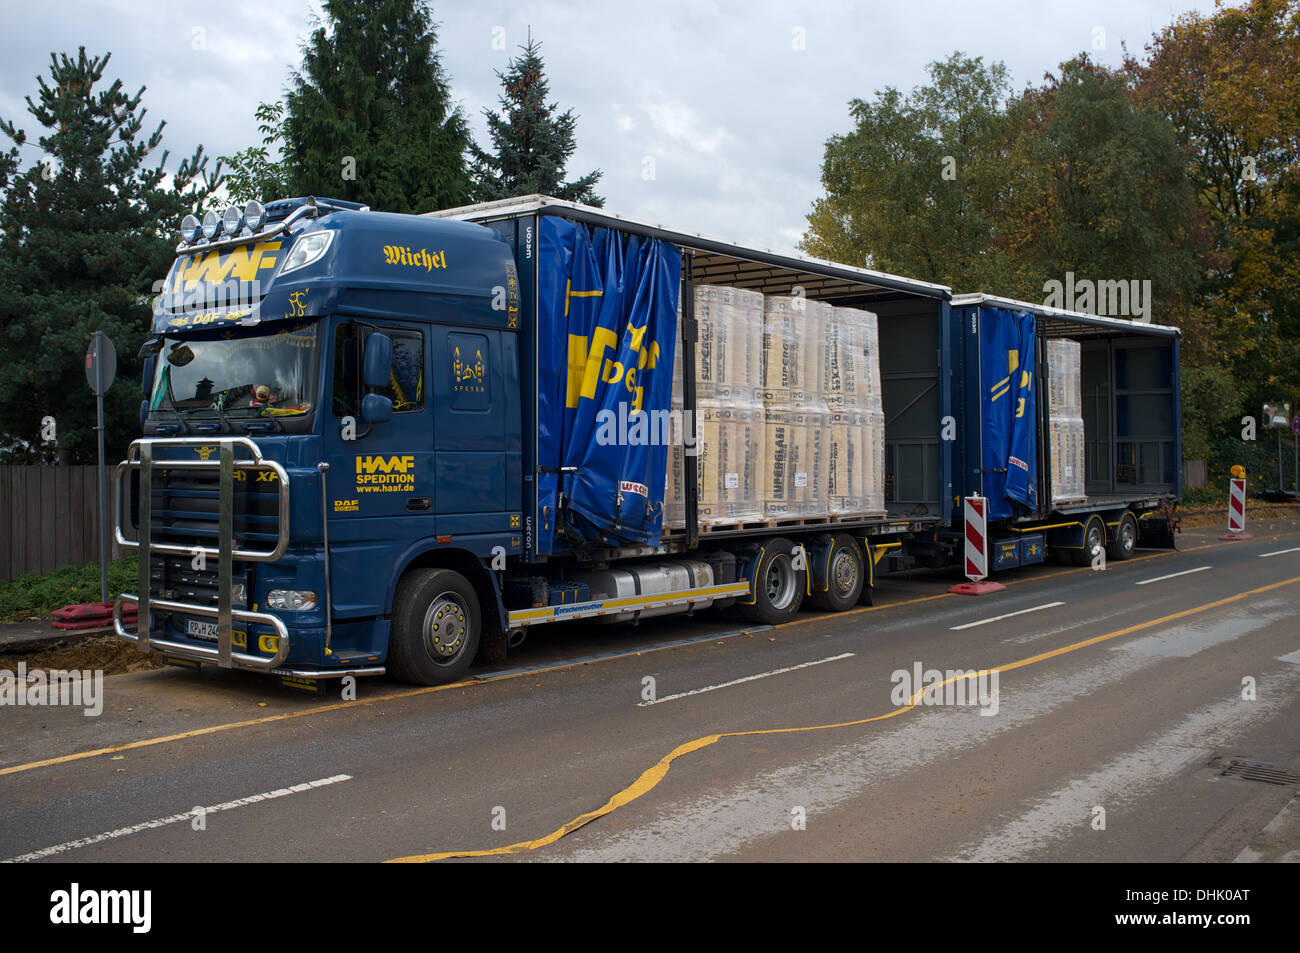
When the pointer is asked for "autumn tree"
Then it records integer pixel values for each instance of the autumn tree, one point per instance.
(1230, 85)
(911, 188)
(1094, 185)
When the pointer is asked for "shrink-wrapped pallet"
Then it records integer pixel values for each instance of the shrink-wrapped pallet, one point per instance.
(791, 347)
(729, 464)
(728, 347)
(846, 453)
(728, 425)
(1065, 420)
(874, 465)
(796, 441)
(741, 490)
(850, 380)
(675, 482)
(850, 371)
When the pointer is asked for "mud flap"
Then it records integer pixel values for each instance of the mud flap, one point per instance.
(1158, 529)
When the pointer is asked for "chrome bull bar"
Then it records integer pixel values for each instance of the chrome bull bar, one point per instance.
(140, 456)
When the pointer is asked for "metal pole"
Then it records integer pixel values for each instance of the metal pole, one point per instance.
(103, 526)
(1280, 487)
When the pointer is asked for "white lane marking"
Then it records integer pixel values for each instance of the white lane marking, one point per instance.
(1173, 575)
(177, 818)
(747, 678)
(999, 618)
(1280, 552)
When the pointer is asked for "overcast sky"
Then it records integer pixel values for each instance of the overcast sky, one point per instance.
(732, 101)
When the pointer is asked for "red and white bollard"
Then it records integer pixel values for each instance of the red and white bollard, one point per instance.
(1236, 509)
(977, 550)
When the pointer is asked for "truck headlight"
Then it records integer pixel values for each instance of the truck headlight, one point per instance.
(298, 600)
(239, 595)
(307, 249)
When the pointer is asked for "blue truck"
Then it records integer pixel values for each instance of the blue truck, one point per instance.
(382, 443)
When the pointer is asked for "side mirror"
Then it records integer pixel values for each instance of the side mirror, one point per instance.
(146, 378)
(378, 361)
(376, 409)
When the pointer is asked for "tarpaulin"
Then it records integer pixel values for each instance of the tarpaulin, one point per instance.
(607, 313)
(1010, 422)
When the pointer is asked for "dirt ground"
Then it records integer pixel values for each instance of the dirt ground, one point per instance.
(1257, 515)
(106, 652)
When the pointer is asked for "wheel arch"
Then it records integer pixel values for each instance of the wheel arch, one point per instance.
(485, 583)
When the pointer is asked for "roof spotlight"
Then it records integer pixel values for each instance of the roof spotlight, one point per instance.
(254, 215)
(232, 221)
(189, 229)
(211, 226)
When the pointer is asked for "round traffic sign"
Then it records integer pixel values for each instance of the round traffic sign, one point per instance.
(101, 363)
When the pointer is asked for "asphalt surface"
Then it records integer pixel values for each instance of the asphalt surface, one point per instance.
(1121, 698)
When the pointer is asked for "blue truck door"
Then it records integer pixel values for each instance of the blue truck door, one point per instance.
(477, 468)
(387, 470)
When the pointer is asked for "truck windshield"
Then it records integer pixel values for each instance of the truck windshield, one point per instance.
(272, 375)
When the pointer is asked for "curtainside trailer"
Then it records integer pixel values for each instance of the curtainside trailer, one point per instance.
(377, 442)
(1068, 424)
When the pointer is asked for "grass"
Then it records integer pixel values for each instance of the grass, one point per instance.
(31, 596)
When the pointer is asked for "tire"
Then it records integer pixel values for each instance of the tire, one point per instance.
(433, 606)
(1094, 541)
(1125, 539)
(845, 575)
(778, 587)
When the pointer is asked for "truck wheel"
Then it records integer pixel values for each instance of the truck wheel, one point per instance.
(1125, 539)
(1094, 541)
(844, 576)
(778, 586)
(436, 625)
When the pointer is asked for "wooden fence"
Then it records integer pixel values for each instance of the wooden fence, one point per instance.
(48, 519)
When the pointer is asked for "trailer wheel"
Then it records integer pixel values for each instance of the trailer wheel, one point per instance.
(1094, 541)
(1124, 541)
(778, 587)
(844, 576)
(436, 627)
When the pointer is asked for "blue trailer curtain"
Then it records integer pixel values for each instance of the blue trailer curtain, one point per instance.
(1008, 405)
(607, 312)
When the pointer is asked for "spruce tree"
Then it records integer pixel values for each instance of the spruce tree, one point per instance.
(531, 144)
(369, 116)
(86, 232)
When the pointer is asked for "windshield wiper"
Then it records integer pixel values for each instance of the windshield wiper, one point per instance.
(185, 427)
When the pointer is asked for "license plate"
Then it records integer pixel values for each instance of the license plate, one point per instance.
(201, 630)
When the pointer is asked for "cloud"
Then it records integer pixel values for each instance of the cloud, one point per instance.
(734, 101)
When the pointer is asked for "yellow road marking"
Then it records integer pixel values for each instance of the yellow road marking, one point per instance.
(213, 729)
(285, 716)
(651, 777)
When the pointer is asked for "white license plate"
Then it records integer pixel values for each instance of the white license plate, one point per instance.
(201, 630)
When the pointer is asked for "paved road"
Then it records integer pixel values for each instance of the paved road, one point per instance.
(1120, 699)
